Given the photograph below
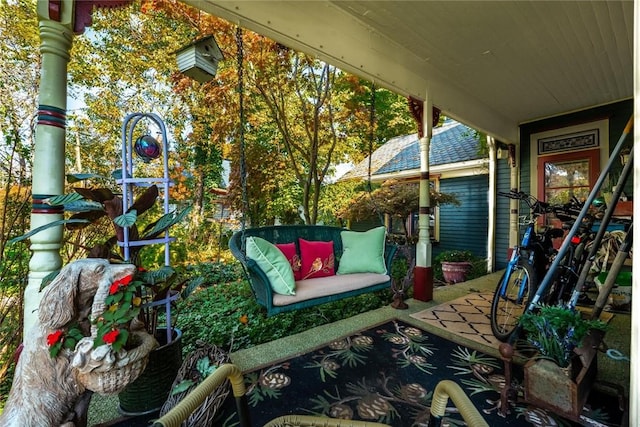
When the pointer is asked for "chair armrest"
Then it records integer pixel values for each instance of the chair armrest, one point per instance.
(390, 250)
(193, 400)
(313, 421)
(447, 389)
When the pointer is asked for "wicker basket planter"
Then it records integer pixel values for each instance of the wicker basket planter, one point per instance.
(204, 415)
(103, 372)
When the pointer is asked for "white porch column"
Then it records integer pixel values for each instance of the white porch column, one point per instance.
(56, 38)
(423, 273)
(491, 238)
(514, 205)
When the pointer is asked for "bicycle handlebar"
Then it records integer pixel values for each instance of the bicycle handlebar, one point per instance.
(520, 195)
(534, 204)
(568, 209)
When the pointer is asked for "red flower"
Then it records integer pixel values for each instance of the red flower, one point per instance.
(111, 336)
(115, 287)
(126, 280)
(54, 337)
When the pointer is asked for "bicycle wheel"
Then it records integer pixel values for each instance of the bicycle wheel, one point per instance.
(512, 295)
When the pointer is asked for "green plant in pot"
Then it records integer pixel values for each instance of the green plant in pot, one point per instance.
(562, 370)
(157, 288)
(555, 331)
(90, 207)
(455, 264)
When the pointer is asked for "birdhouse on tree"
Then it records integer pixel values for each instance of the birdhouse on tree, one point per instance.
(200, 59)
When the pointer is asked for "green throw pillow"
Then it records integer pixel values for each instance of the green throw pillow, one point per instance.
(274, 264)
(363, 252)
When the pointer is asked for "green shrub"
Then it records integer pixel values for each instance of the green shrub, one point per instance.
(399, 267)
(217, 272)
(226, 313)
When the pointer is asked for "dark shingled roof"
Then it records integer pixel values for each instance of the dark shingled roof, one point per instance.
(452, 142)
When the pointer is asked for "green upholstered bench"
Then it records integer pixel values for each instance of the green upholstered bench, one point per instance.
(309, 292)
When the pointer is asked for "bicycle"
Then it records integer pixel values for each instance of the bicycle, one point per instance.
(528, 261)
(565, 278)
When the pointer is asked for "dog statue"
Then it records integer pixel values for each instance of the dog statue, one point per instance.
(46, 390)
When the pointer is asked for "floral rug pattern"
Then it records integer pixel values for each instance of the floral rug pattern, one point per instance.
(387, 374)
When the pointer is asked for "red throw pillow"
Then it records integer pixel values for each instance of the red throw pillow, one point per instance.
(289, 251)
(317, 259)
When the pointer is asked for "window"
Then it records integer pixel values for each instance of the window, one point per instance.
(396, 225)
(566, 161)
(565, 175)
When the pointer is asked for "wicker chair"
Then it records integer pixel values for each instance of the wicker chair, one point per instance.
(310, 421)
(444, 391)
(192, 401)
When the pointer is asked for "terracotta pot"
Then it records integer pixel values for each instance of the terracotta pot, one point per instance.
(455, 272)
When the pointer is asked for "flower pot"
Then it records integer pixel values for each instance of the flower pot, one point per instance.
(455, 272)
(148, 393)
(110, 375)
(564, 391)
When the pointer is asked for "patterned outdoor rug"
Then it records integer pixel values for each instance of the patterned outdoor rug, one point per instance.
(467, 316)
(387, 374)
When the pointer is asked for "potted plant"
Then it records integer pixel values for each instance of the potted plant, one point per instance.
(559, 376)
(556, 331)
(90, 206)
(456, 264)
(157, 288)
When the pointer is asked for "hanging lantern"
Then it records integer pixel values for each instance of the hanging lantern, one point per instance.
(200, 59)
(147, 147)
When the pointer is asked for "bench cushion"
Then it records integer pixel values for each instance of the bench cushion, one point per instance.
(330, 285)
(274, 264)
(318, 259)
(363, 251)
(289, 250)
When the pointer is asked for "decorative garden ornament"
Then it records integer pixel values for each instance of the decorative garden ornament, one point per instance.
(147, 147)
(47, 390)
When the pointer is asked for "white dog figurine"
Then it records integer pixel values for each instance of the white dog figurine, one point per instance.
(45, 390)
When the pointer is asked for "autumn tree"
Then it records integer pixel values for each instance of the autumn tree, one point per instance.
(376, 116)
(127, 63)
(323, 116)
(302, 118)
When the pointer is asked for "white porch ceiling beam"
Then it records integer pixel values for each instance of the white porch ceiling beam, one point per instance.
(328, 32)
